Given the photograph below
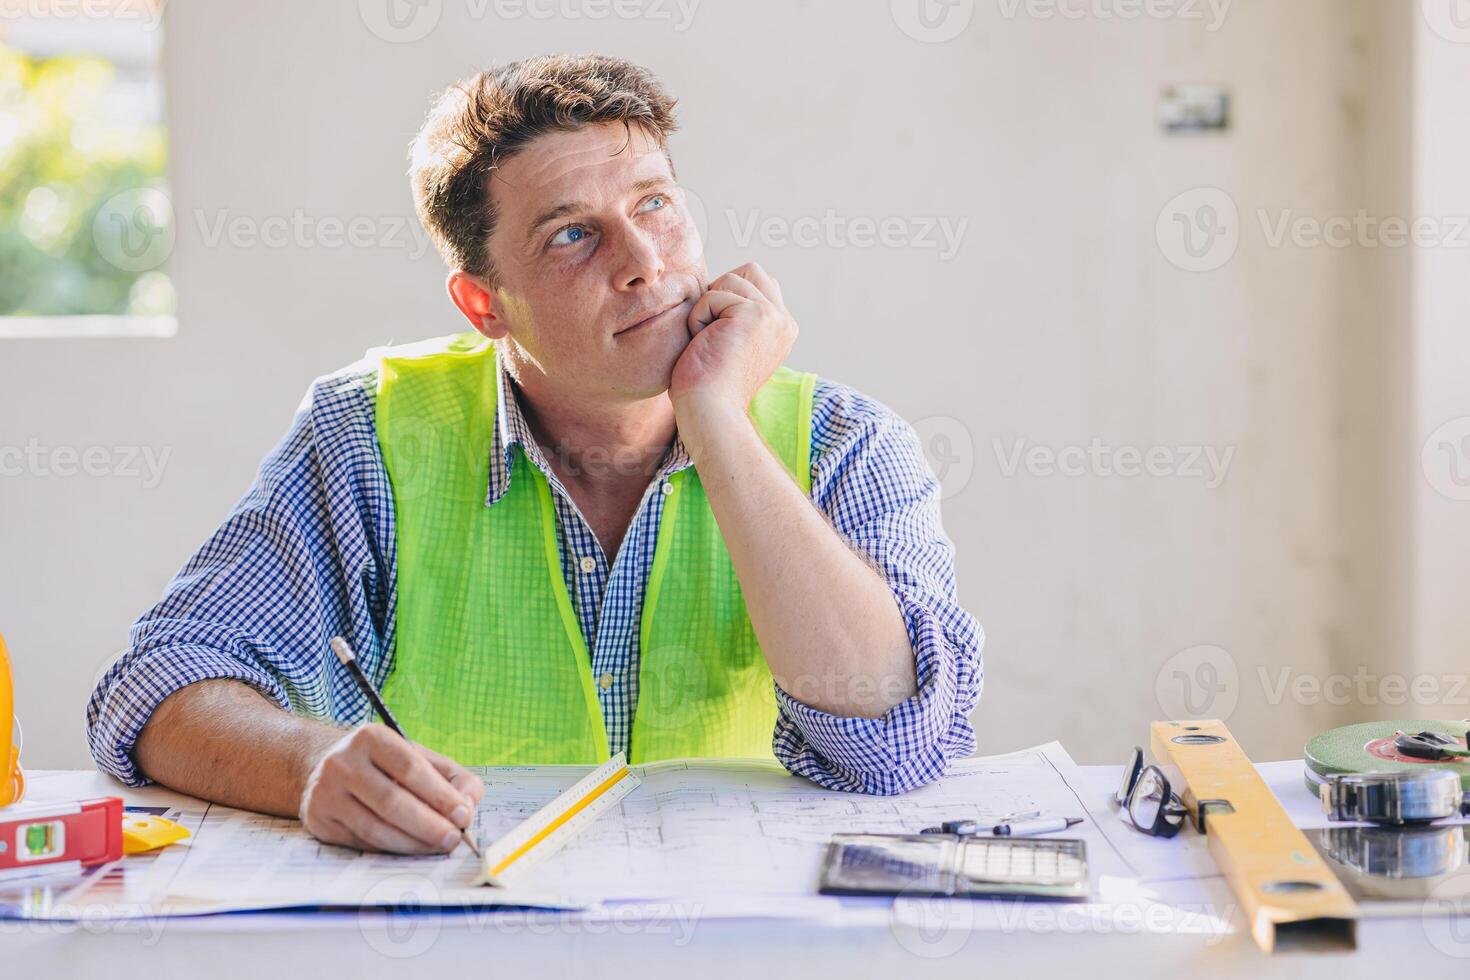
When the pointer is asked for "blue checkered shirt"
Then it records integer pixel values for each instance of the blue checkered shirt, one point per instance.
(309, 553)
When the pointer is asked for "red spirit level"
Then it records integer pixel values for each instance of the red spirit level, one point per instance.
(56, 837)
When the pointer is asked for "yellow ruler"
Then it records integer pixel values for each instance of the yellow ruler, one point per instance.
(1288, 894)
(547, 830)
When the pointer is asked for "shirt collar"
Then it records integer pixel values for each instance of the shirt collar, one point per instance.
(512, 430)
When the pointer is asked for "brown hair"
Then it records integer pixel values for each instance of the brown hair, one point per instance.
(477, 124)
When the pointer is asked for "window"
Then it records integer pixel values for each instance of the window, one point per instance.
(86, 227)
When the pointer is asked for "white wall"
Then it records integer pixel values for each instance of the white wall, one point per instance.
(1440, 448)
(1060, 319)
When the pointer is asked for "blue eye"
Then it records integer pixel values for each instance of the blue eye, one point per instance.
(570, 235)
(662, 199)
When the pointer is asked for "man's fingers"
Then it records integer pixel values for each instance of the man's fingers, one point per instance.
(334, 831)
(407, 766)
(375, 832)
(469, 785)
(459, 777)
(753, 282)
(763, 281)
(404, 812)
(711, 307)
(340, 834)
(741, 285)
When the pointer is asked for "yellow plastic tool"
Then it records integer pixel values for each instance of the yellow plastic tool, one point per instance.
(142, 832)
(12, 779)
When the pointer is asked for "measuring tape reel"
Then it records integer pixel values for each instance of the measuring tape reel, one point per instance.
(1389, 746)
(1393, 797)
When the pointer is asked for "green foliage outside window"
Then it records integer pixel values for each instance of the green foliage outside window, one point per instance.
(83, 216)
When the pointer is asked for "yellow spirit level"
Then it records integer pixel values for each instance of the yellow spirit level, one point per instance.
(1288, 894)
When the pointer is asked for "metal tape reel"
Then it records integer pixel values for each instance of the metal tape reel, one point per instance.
(1392, 797)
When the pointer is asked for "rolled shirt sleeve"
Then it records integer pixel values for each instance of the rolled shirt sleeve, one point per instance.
(296, 562)
(871, 480)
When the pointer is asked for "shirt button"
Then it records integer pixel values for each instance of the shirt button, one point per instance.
(605, 681)
(667, 488)
(589, 564)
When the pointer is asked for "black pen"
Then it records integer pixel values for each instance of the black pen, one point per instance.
(349, 660)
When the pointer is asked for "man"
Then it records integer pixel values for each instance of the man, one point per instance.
(608, 519)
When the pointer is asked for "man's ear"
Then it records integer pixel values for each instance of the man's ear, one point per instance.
(476, 300)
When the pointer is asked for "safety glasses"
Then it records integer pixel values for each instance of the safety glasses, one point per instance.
(1152, 806)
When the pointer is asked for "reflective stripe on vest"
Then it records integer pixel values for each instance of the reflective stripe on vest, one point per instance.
(490, 666)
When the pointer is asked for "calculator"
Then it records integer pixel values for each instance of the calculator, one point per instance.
(927, 865)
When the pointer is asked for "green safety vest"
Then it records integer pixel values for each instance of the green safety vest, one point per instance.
(490, 666)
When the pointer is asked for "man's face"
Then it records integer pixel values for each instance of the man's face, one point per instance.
(597, 261)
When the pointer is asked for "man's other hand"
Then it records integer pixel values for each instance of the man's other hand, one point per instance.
(740, 333)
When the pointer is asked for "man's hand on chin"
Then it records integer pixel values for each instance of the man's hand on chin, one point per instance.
(740, 333)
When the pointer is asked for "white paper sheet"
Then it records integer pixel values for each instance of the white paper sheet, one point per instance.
(712, 837)
(720, 829)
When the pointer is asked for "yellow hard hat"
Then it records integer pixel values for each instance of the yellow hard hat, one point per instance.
(12, 779)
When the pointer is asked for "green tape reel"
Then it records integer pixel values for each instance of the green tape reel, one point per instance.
(1360, 748)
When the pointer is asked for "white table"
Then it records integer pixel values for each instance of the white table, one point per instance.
(276, 946)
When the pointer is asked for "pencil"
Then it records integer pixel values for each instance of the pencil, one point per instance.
(349, 660)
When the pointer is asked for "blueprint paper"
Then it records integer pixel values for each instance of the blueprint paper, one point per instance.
(715, 828)
(723, 835)
(717, 838)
